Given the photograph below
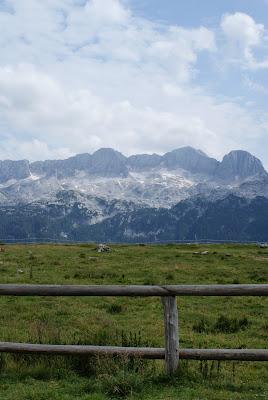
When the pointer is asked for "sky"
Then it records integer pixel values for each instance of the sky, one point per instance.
(140, 76)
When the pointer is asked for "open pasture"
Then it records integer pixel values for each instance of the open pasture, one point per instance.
(205, 322)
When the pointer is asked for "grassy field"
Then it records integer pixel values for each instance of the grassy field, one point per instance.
(223, 322)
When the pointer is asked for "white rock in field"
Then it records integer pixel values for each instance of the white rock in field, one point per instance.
(101, 248)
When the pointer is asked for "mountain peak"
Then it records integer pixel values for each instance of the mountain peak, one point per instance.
(190, 150)
(108, 162)
(109, 152)
(240, 165)
(190, 159)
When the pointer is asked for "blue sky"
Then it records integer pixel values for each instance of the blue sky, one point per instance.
(135, 75)
(192, 13)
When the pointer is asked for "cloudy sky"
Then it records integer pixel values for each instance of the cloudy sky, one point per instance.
(135, 75)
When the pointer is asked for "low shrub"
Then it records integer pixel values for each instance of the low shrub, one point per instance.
(114, 308)
(170, 277)
(230, 325)
(201, 326)
(2, 362)
(223, 324)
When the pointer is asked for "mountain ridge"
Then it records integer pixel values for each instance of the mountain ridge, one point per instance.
(107, 162)
(107, 196)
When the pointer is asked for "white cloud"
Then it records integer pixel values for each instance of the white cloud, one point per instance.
(74, 78)
(39, 110)
(243, 35)
(13, 148)
(103, 11)
(242, 29)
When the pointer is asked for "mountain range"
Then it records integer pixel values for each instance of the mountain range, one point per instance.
(105, 196)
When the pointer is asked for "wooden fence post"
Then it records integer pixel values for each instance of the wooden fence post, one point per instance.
(171, 334)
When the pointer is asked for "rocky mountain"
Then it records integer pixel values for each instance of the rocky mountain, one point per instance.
(14, 170)
(104, 162)
(142, 162)
(238, 166)
(189, 159)
(181, 195)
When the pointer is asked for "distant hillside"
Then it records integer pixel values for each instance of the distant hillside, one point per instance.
(231, 218)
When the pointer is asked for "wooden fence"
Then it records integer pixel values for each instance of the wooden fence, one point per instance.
(171, 353)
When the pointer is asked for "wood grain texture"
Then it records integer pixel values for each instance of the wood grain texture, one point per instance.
(133, 290)
(141, 352)
(171, 326)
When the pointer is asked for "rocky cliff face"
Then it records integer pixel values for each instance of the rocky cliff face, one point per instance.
(108, 163)
(238, 166)
(189, 159)
(104, 163)
(143, 162)
(14, 170)
(61, 168)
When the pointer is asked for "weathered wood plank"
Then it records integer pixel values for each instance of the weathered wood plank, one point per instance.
(133, 290)
(171, 334)
(141, 352)
(224, 354)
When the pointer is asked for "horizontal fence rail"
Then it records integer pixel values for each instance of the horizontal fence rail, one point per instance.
(133, 290)
(171, 353)
(151, 353)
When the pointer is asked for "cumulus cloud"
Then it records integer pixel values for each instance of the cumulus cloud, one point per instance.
(13, 148)
(244, 35)
(79, 75)
(39, 110)
(242, 29)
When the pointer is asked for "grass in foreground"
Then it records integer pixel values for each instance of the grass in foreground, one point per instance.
(207, 322)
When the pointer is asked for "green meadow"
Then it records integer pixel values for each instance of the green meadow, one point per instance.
(205, 322)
